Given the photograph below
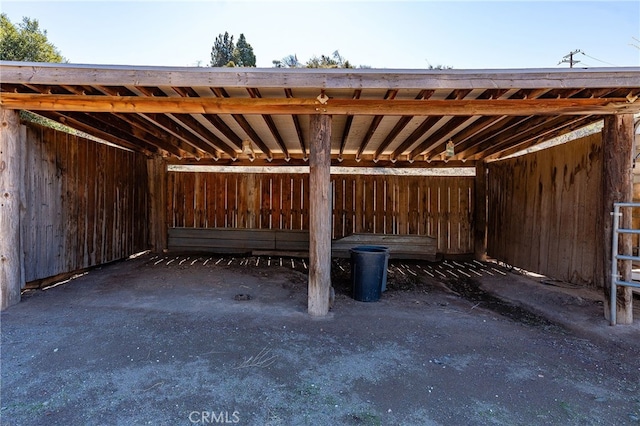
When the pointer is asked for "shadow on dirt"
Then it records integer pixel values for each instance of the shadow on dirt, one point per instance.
(401, 278)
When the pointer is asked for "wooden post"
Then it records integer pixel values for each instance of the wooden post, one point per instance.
(11, 177)
(251, 193)
(157, 182)
(617, 159)
(480, 212)
(319, 215)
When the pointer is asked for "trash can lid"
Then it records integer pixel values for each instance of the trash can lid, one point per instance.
(369, 249)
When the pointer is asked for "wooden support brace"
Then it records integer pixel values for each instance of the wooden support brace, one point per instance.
(11, 182)
(157, 181)
(319, 215)
(480, 212)
(617, 159)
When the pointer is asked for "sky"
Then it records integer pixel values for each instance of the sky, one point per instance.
(376, 34)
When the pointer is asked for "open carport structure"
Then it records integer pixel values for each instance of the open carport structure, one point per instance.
(69, 203)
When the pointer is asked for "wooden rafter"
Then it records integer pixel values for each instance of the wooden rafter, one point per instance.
(191, 141)
(347, 125)
(204, 133)
(394, 107)
(424, 127)
(255, 93)
(543, 133)
(400, 125)
(391, 94)
(296, 123)
(220, 92)
(487, 137)
(108, 136)
(433, 141)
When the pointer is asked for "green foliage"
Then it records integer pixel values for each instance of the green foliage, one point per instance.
(222, 50)
(243, 53)
(26, 42)
(335, 60)
(225, 53)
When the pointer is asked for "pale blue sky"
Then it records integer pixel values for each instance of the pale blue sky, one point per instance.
(380, 34)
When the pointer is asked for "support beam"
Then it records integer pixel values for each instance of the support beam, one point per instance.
(617, 159)
(286, 106)
(157, 182)
(319, 215)
(480, 212)
(11, 176)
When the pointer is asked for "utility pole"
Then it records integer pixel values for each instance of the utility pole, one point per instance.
(569, 58)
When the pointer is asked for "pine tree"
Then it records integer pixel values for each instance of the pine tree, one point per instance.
(243, 54)
(222, 51)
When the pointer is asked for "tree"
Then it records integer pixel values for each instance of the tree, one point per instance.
(26, 42)
(335, 60)
(225, 53)
(243, 53)
(222, 50)
(290, 61)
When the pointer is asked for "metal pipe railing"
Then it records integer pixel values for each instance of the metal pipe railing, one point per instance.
(615, 256)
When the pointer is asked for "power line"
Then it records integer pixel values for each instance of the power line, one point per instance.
(604, 62)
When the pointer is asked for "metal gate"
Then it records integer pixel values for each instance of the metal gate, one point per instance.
(616, 279)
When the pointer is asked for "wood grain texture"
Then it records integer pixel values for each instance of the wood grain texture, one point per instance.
(405, 205)
(85, 203)
(11, 202)
(319, 215)
(543, 211)
(617, 181)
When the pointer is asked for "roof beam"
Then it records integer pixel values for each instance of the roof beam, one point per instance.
(222, 94)
(255, 93)
(204, 133)
(347, 126)
(391, 94)
(296, 123)
(110, 75)
(279, 106)
(537, 135)
(92, 129)
(400, 125)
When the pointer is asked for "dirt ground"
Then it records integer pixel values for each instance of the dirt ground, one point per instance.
(174, 340)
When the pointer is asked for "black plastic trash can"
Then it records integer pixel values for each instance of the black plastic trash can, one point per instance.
(369, 272)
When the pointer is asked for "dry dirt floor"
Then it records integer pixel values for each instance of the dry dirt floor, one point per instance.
(187, 339)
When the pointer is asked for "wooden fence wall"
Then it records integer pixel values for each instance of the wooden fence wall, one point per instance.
(85, 203)
(543, 211)
(382, 204)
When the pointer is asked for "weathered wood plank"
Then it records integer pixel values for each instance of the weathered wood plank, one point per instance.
(276, 200)
(67, 205)
(11, 175)
(189, 185)
(110, 75)
(379, 182)
(349, 205)
(157, 184)
(309, 106)
(541, 211)
(617, 149)
(368, 211)
(199, 200)
(464, 215)
(319, 215)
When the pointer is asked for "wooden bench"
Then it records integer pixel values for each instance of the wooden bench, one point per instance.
(232, 240)
(418, 247)
(293, 243)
